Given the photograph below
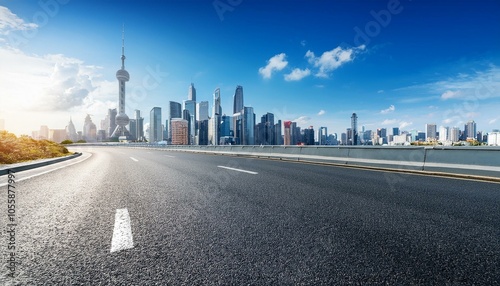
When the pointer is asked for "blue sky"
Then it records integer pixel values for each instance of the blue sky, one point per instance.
(395, 63)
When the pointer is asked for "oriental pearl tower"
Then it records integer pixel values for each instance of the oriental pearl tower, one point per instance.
(122, 119)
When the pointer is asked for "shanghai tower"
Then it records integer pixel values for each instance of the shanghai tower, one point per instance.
(122, 119)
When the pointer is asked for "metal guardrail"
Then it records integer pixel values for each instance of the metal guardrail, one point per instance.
(29, 166)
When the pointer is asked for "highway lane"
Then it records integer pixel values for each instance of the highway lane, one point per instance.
(193, 222)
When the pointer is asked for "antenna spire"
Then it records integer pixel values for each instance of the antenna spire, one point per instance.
(123, 46)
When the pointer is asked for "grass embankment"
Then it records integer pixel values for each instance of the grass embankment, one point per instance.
(15, 149)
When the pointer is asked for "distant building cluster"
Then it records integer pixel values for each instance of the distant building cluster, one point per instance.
(191, 123)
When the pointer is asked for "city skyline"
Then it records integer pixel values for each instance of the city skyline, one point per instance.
(382, 62)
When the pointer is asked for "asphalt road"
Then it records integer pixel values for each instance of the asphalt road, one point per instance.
(148, 217)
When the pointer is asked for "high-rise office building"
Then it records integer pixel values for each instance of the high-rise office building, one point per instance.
(111, 121)
(322, 136)
(354, 129)
(192, 92)
(155, 126)
(71, 131)
(430, 132)
(248, 126)
(202, 111)
(202, 132)
(122, 119)
(287, 138)
(179, 131)
(139, 134)
(215, 120)
(454, 134)
(295, 134)
(395, 131)
(278, 137)
(266, 130)
(470, 130)
(444, 133)
(190, 106)
(226, 126)
(174, 111)
(43, 133)
(309, 136)
(89, 130)
(238, 99)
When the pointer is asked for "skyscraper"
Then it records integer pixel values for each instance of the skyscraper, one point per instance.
(202, 111)
(354, 129)
(215, 120)
(395, 131)
(247, 125)
(444, 133)
(174, 111)
(71, 131)
(155, 126)
(179, 131)
(470, 130)
(268, 137)
(322, 136)
(190, 106)
(192, 93)
(430, 132)
(139, 135)
(122, 119)
(111, 121)
(89, 130)
(238, 99)
(287, 136)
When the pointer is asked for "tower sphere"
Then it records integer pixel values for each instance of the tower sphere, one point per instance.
(122, 119)
(122, 75)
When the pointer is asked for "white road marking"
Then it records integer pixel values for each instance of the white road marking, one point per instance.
(134, 159)
(122, 233)
(239, 170)
(170, 156)
(45, 172)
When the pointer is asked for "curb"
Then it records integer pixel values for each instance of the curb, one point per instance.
(39, 164)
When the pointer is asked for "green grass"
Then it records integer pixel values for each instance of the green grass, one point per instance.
(15, 149)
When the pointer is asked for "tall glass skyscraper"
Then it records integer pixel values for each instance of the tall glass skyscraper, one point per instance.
(248, 126)
(174, 111)
(192, 92)
(155, 129)
(354, 129)
(215, 120)
(238, 99)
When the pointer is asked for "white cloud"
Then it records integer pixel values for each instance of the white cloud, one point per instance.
(297, 74)
(303, 43)
(11, 22)
(404, 124)
(451, 94)
(275, 63)
(319, 85)
(302, 121)
(380, 91)
(493, 121)
(321, 112)
(388, 110)
(50, 88)
(390, 122)
(331, 60)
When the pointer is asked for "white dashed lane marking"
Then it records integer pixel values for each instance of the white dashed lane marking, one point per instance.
(238, 170)
(122, 232)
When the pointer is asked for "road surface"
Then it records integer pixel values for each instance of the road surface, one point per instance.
(144, 217)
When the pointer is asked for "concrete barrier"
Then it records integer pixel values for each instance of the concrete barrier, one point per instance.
(469, 161)
(482, 161)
